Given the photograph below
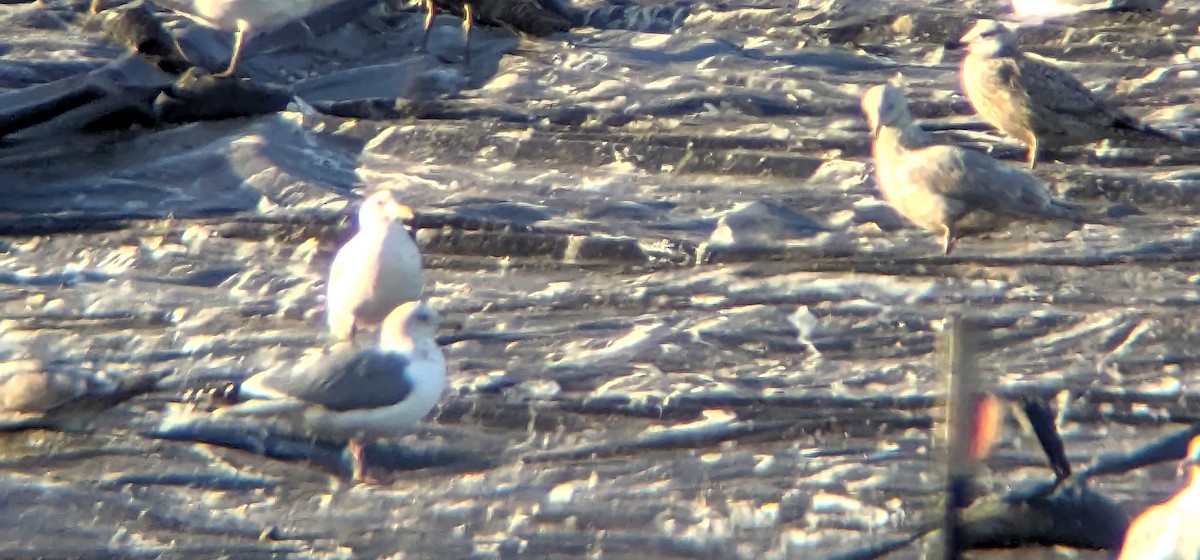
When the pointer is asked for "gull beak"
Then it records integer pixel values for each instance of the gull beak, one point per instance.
(971, 35)
(404, 212)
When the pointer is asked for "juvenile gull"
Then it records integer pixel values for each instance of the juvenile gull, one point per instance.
(377, 270)
(948, 189)
(30, 388)
(1167, 531)
(1041, 105)
(528, 16)
(1042, 9)
(353, 395)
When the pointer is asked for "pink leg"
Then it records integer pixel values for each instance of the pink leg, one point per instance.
(430, 11)
(356, 451)
(468, 23)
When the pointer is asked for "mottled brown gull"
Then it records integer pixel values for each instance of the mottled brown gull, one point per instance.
(377, 270)
(1167, 531)
(1039, 104)
(948, 189)
(371, 393)
(1043, 9)
(528, 16)
(30, 388)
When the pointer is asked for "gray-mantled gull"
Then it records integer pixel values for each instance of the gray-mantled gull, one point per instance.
(948, 189)
(377, 270)
(240, 17)
(1167, 531)
(352, 395)
(1039, 104)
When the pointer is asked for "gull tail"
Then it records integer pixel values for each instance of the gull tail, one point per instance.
(1068, 211)
(1129, 129)
(1064, 210)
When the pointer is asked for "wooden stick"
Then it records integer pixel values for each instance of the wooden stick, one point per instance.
(963, 384)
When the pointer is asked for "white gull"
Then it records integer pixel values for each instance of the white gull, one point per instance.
(377, 270)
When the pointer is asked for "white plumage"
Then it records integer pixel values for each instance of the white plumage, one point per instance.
(374, 272)
(1167, 531)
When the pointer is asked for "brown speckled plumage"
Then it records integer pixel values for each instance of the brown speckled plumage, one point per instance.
(1041, 105)
(948, 189)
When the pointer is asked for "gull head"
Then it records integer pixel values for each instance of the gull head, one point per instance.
(410, 324)
(381, 209)
(885, 105)
(990, 38)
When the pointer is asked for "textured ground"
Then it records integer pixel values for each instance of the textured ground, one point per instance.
(682, 324)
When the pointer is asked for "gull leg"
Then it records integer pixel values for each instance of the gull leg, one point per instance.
(430, 11)
(239, 39)
(989, 419)
(356, 454)
(312, 36)
(95, 6)
(1033, 153)
(308, 30)
(947, 240)
(468, 18)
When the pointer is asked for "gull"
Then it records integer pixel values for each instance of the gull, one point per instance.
(31, 388)
(948, 189)
(1044, 9)
(239, 17)
(1166, 531)
(1041, 105)
(528, 16)
(377, 270)
(370, 393)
